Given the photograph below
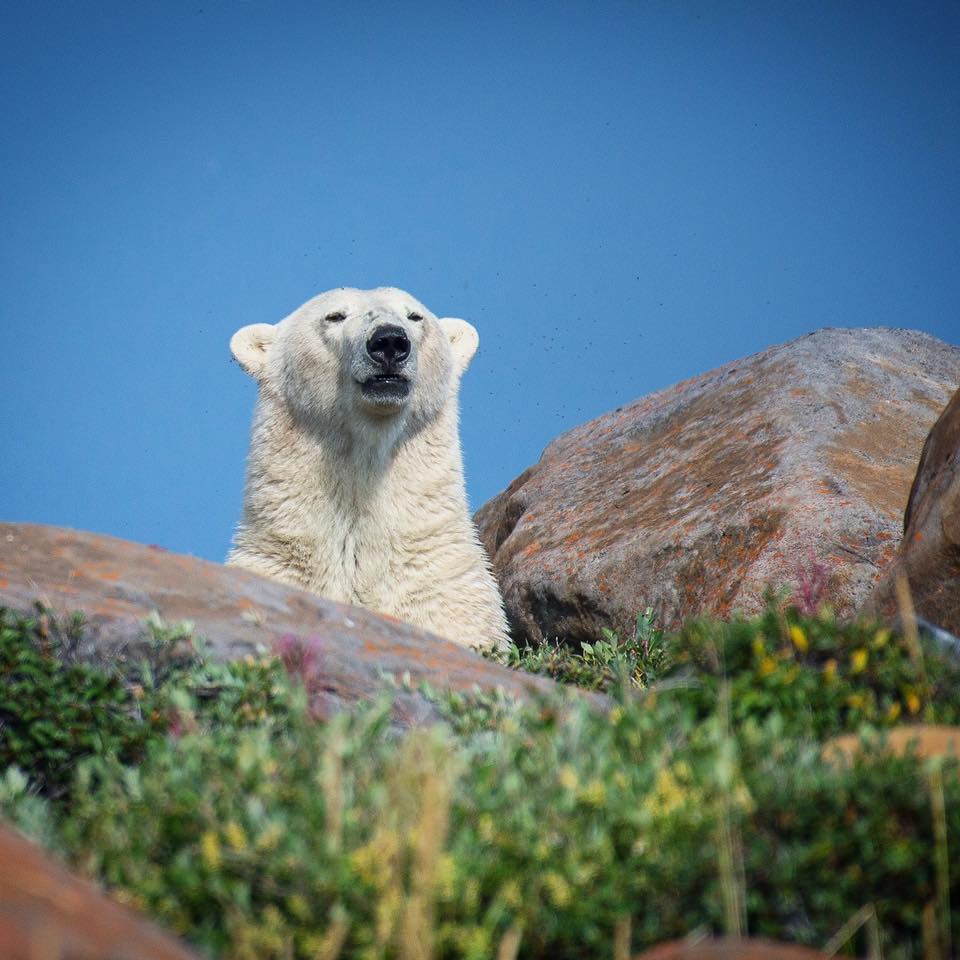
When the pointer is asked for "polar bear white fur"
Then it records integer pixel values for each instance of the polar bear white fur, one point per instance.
(354, 484)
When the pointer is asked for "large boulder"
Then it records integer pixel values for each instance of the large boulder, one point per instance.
(929, 555)
(693, 500)
(118, 584)
(47, 912)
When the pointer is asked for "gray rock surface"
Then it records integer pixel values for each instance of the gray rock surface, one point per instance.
(693, 499)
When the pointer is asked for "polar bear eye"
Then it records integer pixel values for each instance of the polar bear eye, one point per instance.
(414, 316)
(336, 316)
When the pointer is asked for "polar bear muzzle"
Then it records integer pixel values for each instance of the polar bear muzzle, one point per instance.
(388, 347)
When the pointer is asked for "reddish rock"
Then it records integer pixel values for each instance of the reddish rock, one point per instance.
(923, 740)
(730, 948)
(692, 500)
(118, 584)
(929, 555)
(46, 913)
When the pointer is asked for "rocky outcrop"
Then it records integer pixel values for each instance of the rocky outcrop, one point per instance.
(922, 740)
(46, 912)
(118, 584)
(694, 499)
(730, 948)
(929, 555)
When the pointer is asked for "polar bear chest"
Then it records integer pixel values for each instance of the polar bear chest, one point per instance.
(358, 557)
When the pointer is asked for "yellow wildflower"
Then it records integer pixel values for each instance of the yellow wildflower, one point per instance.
(594, 793)
(372, 862)
(894, 711)
(472, 942)
(235, 836)
(363, 861)
(830, 670)
(759, 647)
(858, 659)
(667, 794)
(880, 638)
(471, 892)
(298, 906)
(767, 666)
(558, 890)
(913, 702)
(270, 837)
(446, 875)
(510, 894)
(568, 777)
(856, 701)
(485, 827)
(210, 850)
(799, 638)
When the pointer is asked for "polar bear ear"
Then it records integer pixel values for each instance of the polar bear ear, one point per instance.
(463, 338)
(249, 347)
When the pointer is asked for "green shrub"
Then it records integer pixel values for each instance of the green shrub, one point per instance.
(55, 709)
(700, 799)
(821, 676)
(52, 714)
(638, 660)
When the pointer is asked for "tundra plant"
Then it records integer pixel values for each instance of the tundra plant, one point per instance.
(554, 829)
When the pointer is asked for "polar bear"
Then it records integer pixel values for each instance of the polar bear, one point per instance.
(354, 485)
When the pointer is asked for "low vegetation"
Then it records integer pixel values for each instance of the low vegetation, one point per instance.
(211, 797)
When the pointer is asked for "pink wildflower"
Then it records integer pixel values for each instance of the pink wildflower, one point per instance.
(812, 578)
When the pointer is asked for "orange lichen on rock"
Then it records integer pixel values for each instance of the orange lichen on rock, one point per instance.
(929, 556)
(693, 499)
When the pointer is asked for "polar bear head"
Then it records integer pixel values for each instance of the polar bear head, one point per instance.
(348, 358)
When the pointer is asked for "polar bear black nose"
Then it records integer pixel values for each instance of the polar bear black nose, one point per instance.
(388, 346)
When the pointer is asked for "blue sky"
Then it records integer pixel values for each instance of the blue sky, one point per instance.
(618, 195)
